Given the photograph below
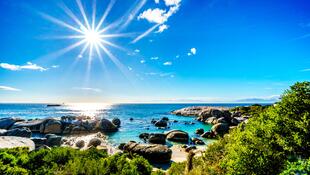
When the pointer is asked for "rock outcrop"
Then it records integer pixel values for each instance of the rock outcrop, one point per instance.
(177, 136)
(107, 126)
(12, 142)
(153, 152)
(6, 123)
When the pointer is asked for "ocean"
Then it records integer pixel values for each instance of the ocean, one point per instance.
(142, 115)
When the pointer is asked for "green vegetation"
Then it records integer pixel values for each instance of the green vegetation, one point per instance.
(70, 161)
(253, 110)
(276, 140)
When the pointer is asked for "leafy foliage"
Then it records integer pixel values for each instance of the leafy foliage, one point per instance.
(276, 135)
(70, 161)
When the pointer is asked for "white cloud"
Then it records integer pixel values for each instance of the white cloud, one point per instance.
(158, 16)
(154, 58)
(87, 89)
(161, 28)
(142, 61)
(28, 66)
(177, 56)
(7, 88)
(137, 51)
(189, 54)
(154, 15)
(156, 1)
(193, 51)
(129, 68)
(168, 63)
(172, 2)
(271, 98)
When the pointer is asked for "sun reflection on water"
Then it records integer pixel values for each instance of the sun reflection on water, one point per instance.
(88, 109)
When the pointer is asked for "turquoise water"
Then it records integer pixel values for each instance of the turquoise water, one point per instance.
(142, 115)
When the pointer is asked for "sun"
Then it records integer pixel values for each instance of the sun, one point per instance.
(92, 36)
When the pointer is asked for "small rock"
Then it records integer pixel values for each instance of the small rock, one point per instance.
(199, 131)
(161, 123)
(198, 141)
(188, 149)
(165, 118)
(80, 144)
(94, 142)
(121, 146)
(208, 134)
(131, 119)
(53, 140)
(116, 122)
(144, 136)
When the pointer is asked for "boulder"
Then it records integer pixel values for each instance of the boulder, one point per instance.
(19, 132)
(177, 136)
(12, 142)
(107, 126)
(234, 122)
(53, 140)
(153, 152)
(208, 134)
(236, 114)
(39, 141)
(157, 138)
(53, 127)
(144, 136)
(222, 120)
(211, 120)
(3, 132)
(198, 141)
(116, 122)
(80, 144)
(165, 118)
(161, 123)
(199, 131)
(33, 125)
(78, 130)
(6, 123)
(94, 142)
(220, 128)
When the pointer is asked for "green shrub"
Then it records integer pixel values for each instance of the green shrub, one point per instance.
(300, 167)
(275, 135)
(63, 160)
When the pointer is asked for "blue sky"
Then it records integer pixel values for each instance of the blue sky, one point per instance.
(156, 50)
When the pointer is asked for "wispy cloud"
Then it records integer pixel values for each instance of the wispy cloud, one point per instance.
(28, 66)
(305, 70)
(162, 28)
(154, 58)
(7, 88)
(168, 63)
(142, 61)
(129, 68)
(171, 75)
(87, 89)
(55, 66)
(137, 50)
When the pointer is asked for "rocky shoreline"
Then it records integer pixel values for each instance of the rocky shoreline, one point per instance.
(84, 132)
(221, 119)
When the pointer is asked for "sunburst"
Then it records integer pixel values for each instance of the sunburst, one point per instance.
(89, 33)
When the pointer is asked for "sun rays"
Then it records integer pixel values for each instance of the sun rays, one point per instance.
(90, 34)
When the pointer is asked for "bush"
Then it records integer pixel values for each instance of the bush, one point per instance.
(277, 134)
(63, 160)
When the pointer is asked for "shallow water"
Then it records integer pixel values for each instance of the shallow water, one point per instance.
(142, 115)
